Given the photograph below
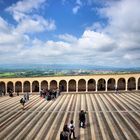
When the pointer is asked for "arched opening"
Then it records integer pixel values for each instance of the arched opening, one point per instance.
(101, 85)
(131, 83)
(111, 84)
(35, 86)
(53, 84)
(81, 85)
(63, 85)
(91, 85)
(139, 84)
(72, 85)
(10, 87)
(44, 85)
(2, 88)
(18, 86)
(121, 84)
(26, 86)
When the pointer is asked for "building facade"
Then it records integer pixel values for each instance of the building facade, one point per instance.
(82, 83)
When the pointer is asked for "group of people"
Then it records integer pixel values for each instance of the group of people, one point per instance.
(69, 129)
(2, 93)
(24, 99)
(49, 94)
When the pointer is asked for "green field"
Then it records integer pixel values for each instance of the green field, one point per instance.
(8, 74)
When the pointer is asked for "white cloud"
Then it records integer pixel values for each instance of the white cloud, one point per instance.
(25, 6)
(37, 24)
(67, 37)
(28, 22)
(75, 9)
(97, 41)
(4, 27)
(117, 44)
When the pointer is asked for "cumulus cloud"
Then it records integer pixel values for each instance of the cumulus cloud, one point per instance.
(24, 13)
(67, 37)
(124, 26)
(35, 24)
(25, 6)
(115, 44)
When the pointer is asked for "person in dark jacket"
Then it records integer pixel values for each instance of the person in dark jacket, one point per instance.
(22, 101)
(64, 135)
(82, 118)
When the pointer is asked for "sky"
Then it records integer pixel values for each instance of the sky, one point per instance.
(89, 32)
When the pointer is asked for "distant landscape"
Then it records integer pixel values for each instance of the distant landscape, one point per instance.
(40, 70)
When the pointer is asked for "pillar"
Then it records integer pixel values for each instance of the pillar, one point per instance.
(126, 86)
(136, 84)
(5, 88)
(49, 85)
(67, 87)
(39, 86)
(31, 88)
(105, 86)
(22, 86)
(76, 86)
(86, 86)
(96, 86)
(14, 87)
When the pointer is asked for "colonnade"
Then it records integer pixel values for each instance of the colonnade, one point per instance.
(72, 83)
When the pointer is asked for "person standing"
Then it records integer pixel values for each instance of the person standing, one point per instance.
(82, 118)
(22, 101)
(72, 129)
(64, 135)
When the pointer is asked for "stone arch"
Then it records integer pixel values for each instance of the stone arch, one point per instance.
(131, 85)
(10, 86)
(44, 84)
(82, 85)
(2, 87)
(53, 84)
(63, 85)
(121, 84)
(101, 84)
(18, 86)
(72, 85)
(26, 86)
(91, 85)
(35, 86)
(111, 84)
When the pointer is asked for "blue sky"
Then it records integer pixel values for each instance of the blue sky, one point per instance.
(105, 32)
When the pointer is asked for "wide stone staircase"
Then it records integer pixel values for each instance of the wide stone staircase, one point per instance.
(109, 116)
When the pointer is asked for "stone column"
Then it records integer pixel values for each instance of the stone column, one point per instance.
(136, 84)
(105, 86)
(76, 86)
(22, 87)
(39, 86)
(96, 85)
(67, 87)
(5, 88)
(86, 86)
(31, 88)
(126, 86)
(14, 87)
(49, 85)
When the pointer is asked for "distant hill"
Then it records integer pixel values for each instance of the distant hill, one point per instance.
(44, 67)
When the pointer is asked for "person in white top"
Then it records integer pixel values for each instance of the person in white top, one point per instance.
(72, 129)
